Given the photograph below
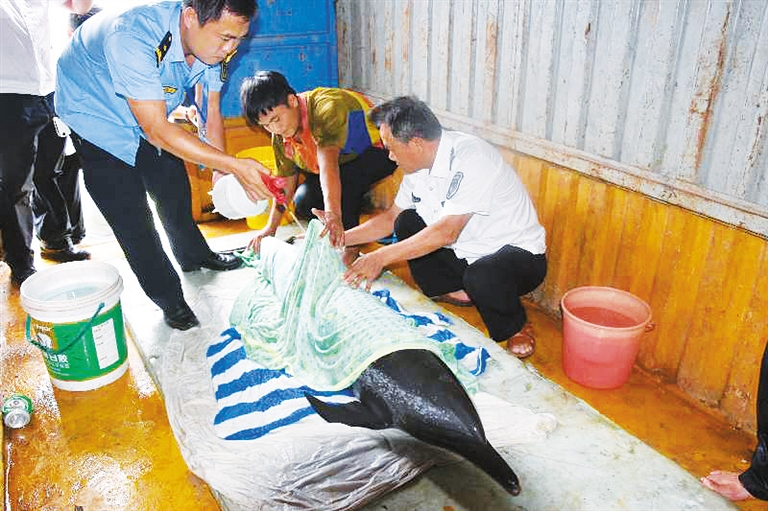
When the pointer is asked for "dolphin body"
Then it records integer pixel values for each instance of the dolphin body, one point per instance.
(414, 391)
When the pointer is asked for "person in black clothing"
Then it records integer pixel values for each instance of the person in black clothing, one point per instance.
(26, 123)
(58, 214)
(753, 482)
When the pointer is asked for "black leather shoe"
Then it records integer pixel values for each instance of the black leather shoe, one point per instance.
(64, 254)
(218, 262)
(180, 317)
(18, 277)
(77, 237)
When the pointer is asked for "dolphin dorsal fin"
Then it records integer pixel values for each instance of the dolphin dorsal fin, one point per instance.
(354, 413)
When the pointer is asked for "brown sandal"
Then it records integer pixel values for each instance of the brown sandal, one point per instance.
(447, 298)
(528, 329)
(523, 339)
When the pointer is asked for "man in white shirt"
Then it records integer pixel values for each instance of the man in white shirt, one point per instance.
(463, 220)
(26, 101)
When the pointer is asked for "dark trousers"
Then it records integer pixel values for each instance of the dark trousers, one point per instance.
(495, 282)
(56, 199)
(23, 118)
(755, 479)
(357, 177)
(120, 192)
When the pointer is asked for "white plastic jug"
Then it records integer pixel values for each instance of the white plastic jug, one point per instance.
(230, 199)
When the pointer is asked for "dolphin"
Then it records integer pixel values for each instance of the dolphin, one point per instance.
(414, 391)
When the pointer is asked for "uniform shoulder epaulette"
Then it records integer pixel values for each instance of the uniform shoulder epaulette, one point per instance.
(163, 47)
(224, 74)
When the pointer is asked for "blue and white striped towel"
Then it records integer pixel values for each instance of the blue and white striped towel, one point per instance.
(253, 400)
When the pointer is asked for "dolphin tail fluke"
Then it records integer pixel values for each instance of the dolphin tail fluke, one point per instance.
(351, 414)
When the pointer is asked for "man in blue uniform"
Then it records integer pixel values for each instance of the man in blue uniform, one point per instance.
(117, 82)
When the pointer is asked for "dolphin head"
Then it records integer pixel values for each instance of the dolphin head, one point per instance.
(414, 391)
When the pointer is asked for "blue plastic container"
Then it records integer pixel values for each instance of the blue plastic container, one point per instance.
(294, 37)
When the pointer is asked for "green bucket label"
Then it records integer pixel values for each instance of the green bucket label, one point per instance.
(99, 350)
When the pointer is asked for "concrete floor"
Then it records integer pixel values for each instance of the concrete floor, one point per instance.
(113, 448)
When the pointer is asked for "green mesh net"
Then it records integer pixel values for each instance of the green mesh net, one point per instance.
(298, 314)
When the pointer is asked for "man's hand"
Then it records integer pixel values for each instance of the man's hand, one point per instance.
(255, 243)
(193, 116)
(366, 268)
(176, 140)
(333, 227)
(248, 172)
(726, 484)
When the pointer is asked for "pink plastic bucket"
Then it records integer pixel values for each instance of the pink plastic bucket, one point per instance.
(601, 334)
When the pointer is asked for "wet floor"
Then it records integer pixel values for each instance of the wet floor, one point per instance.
(112, 448)
(108, 448)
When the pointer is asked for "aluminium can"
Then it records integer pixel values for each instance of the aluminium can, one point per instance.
(17, 411)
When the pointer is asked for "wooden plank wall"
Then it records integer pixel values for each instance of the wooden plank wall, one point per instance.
(706, 282)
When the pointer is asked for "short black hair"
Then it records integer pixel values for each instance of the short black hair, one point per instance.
(75, 20)
(262, 92)
(407, 118)
(211, 10)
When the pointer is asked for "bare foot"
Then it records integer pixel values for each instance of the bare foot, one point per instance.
(726, 484)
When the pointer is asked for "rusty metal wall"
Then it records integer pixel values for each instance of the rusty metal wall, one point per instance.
(665, 97)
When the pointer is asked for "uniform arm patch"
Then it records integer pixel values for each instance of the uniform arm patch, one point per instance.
(163, 47)
(455, 184)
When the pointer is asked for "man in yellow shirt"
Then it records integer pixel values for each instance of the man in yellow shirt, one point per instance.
(324, 135)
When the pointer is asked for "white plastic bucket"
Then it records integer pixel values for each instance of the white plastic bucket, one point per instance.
(76, 320)
(230, 199)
